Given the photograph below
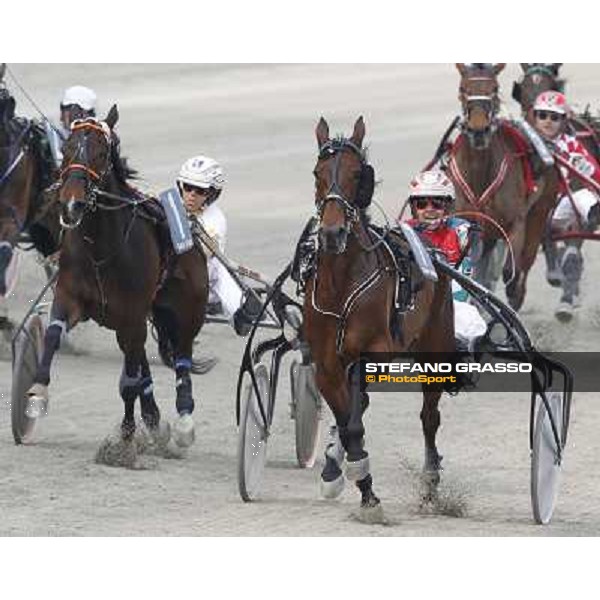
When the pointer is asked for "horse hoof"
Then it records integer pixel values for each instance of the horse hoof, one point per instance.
(371, 514)
(183, 431)
(37, 401)
(554, 277)
(357, 470)
(564, 312)
(332, 489)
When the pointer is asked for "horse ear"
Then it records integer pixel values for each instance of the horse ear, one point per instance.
(112, 117)
(556, 67)
(498, 68)
(524, 66)
(358, 135)
(462, 69)
(322, 132)
(2, 71)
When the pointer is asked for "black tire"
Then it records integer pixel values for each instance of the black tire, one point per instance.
(253, 436)
(545, 467)
(28, 353)
(306, 403)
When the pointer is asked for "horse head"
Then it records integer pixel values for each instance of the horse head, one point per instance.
(537, 78)
(87, 161)
(478, 95)
(344, 185)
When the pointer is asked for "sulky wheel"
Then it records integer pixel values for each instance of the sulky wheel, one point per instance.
(545, 463)
(306, 411)
(27, 354)
(252, 436)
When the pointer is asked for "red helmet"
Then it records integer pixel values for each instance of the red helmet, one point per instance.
(552, 102)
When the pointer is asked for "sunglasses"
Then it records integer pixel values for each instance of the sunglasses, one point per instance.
(437, 203)
(544, 115)
(197, 190)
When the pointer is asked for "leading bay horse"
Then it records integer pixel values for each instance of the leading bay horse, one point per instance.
(116, 268)
(348, 308)
(489, 165)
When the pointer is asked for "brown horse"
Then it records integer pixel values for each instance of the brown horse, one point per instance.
(25, 172)
(116, 268)
(494, 183)
(348, 305)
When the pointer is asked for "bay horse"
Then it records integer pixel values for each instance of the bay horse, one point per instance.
(489, 165)
(348, 306)
(26, 171)
(117, 268)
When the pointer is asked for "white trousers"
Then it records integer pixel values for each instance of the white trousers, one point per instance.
(468, 323)
(564, 216)
(223, 287)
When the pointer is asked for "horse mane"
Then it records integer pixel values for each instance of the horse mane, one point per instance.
(123, 171)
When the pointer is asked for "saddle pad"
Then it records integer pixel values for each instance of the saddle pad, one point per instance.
(419, 251)
(179, 226)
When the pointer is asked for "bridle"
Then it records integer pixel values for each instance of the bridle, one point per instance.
(335, 148)
(94, 179)
(489, 103)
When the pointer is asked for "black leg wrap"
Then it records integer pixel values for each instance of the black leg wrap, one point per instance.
(185, 400)
(331, 471)
(51, 345)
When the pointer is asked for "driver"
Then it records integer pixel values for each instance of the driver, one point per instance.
(431, 199)
(200, 183)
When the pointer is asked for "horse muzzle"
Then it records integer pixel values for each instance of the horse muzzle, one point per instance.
(333, 239)
(72, 214)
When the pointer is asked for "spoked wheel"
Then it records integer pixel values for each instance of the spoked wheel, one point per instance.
(545, 464)
(252, 436)
(306, 411)
(28, 353)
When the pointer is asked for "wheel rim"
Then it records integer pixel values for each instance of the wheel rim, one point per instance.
(545, 469)
(253, 437)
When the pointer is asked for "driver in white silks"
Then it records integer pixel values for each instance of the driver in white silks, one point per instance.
(200, 183)
(431, 199)
(78, 102)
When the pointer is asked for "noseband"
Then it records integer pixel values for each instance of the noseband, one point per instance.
(488, 102)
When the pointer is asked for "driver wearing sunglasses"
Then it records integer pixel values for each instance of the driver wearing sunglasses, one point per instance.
(565, 261)
(431, 200)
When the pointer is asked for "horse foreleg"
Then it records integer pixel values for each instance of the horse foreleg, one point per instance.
(131, 342)
(352, 437)
(150, 411)
(38, 393)
(430, 422)
(517, 285)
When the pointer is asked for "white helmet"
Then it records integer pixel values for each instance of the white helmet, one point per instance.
(432, 184)
(202, 172)
(551, 101)
(80, 96)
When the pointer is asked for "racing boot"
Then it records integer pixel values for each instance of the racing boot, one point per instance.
(246, 314)
(572, 267)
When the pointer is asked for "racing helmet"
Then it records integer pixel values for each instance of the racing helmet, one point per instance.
(551, 101)
(79, 95)
(432, 184)
(202, 172)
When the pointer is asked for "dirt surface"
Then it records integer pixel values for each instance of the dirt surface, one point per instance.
(259, 121)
